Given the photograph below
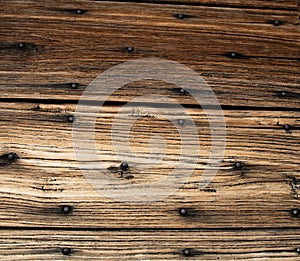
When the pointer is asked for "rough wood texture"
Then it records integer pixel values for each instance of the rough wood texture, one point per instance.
(66, 48)
(268, 4)
(247, 51)
(49, 177)
(150, 245)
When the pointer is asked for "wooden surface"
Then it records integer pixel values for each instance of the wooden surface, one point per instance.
(57, 55)
(244, 214)
(151, 245)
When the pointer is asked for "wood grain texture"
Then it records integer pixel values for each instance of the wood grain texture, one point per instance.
(247, 51)
(282, 4)
(255, 4)
(150, 245)
(47, 175)
(61, 48)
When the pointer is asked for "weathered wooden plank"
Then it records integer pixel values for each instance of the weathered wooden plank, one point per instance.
(46, 176)
(125, 11)
(230, 91)
(282, 4)
(267, 4)
(150, 245)
(64, 48)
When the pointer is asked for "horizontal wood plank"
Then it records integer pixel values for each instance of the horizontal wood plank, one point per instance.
(256, 4)
(282, 4)
(61, 48)
(47, 175)
(150, 245)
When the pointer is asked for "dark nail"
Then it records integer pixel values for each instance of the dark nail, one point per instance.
(71, 119)
(238, 165)
(74, 85)
(12, 156)
(79, 11)
(297, 250)
(66, 209)
(66, 251)
(180, 16)
(182, 91)
(287, 127)
(183, 212)
(295, 212)
(129, 49)
(283, 93)
(181, 122)
(186, 252)
(124, 165)
(234, 55)
(21, 45)
(276, 22)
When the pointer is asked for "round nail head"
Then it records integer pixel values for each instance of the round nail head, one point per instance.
(186, 252)
(180, 16)
(74, 85)
(130, 49)
(295, 212)
(183, 91)
(283, 93)
(66, 209)
(66, 251)
(233, 55)
(79, 11)
(298, 250)
(124, 165)
(287, 127)
(181, 122)
(183, 211)
(11, 156)
(276, 22)
(238, 165)
(21, 45)
(71, 119)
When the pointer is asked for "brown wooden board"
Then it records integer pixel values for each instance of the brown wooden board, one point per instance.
(150, 245)
(47, 175)
(61, 48)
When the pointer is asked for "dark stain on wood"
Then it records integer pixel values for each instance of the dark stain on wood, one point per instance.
(294, 183)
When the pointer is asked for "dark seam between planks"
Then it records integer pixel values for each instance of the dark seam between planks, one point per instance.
(119, 103)
(91, 229)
